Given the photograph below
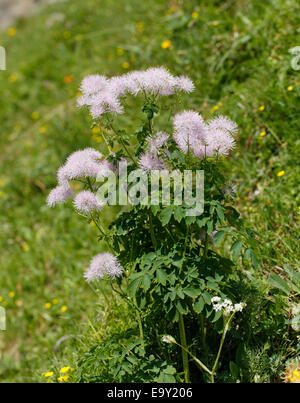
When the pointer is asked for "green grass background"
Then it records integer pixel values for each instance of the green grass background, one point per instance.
(237, 53)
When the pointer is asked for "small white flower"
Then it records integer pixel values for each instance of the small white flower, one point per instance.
(239, 307)
(215, 299)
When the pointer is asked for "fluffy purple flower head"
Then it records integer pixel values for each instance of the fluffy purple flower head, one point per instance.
(86, 202)
(155, 80)
(100, 95)
(219, 142)
(59, 195)
(148, 162)
(190, 132)
(184, 83)
(92, 84)
(156, 142)
(103, 263)
(82, 163)
(223, 123)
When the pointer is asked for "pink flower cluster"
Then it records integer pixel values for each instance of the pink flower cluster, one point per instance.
(215, 137)
(87, 163)
(102, 95)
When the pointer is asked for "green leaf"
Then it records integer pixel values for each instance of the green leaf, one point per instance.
(132, 287)
(277, 282)
(161, 276)
(199, 305)
(218, 237)
(236, 249)
(254, 260)
(209, 227)
(220, 213)
(217, 316)
(206, 297)
(181, 307)
(165, 215)
(202, 221)
(146, 281)
(179, 213)
(190, 220)
(192, 292)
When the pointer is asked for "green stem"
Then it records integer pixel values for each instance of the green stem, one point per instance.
(119, 134)
(185, 359)
(200, 363)
(139, 319)
(220, 348)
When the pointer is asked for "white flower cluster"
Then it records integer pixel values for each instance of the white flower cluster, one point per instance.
(227, 306)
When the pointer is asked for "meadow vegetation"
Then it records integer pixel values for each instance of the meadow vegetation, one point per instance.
(237, 54)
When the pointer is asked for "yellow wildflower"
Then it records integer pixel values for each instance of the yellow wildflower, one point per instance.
(290, 88)
(48, 305)
(48, 374)
(64, 308)
(43, 129)
(215, 23)
(195, 15)
(55, 301)
(25, 246)
(63, 370)
(12, 31)
(166, 44)
(292, 374)
(11, 294)
(12, 78)
(263, 133)
(140, 26)
(120, 51)
(97, 138)
(35, 115)
(63, 378)
(261, 108)
(96, 130)
(125, 65)
(172, 9)
(215, 108)
(281, 173)
(1, 298)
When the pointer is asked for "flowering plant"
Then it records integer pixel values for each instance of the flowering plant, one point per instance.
(161, 259)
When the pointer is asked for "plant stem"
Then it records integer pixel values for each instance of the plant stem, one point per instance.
(220, 348)
(119, 133)
(200, 363)
(139, 319)
(185, 359)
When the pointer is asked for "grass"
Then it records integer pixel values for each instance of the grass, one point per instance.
(237, 52)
